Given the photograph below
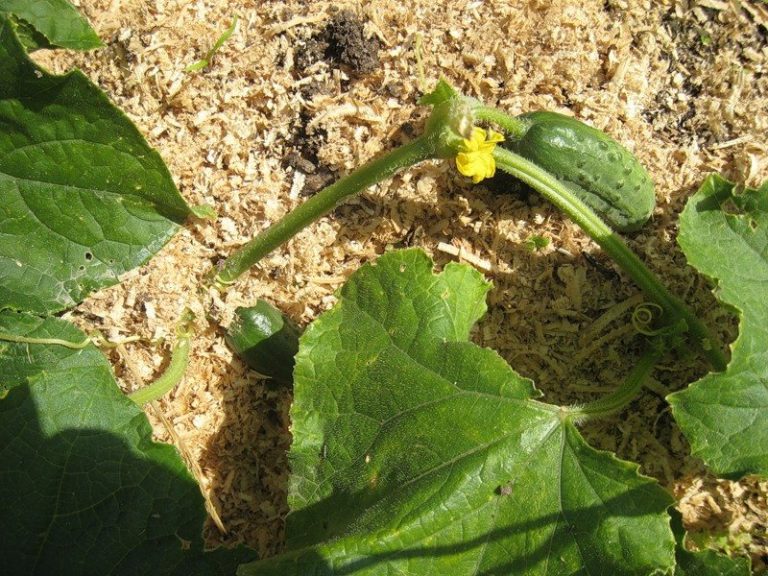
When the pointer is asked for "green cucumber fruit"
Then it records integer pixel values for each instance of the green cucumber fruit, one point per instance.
(266, 340)
(601, 172)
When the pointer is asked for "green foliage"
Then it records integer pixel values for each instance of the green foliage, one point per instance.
(50, 23)
(86, 491)
(724, 234)
(535, 243)
(29, 36)
(722, 540)
(417, 452)
(83, 198)
(204, 212)
(204, 62)
(710, 563)
(443, 92)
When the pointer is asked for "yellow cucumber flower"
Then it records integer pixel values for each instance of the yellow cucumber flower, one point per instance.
(475, 157)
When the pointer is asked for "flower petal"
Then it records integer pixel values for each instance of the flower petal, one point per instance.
(475, 157)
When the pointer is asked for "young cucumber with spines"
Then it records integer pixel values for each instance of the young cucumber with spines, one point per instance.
(601, 172)
(265, 339)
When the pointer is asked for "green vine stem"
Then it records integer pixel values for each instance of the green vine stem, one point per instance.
(423, 148)
(514, 127)
(176, 368)
(554, 191)
(619, 398)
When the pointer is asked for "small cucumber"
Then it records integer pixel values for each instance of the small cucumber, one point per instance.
(601, 172)
(266, 340)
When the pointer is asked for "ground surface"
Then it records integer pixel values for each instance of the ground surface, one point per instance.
(303, 92)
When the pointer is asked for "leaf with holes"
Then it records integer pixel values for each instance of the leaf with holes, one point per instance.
(47, 23)
(724, 234)
(83, 198)
(417, 452)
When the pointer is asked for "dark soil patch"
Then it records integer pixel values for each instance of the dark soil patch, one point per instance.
(342, 43)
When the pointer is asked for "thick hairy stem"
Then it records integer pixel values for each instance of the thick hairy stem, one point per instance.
(514, 127)
(320, 204)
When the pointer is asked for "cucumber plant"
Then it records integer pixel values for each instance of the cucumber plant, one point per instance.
(414, 450)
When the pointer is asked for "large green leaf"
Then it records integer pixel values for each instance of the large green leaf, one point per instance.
(724, 234)
(57, 20)
(83, 198)
(85, 490)
(417, 452)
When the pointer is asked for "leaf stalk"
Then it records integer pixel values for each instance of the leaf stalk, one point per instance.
(176, 368)
(627, 392)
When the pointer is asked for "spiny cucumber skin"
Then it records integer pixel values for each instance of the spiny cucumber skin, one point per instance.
(601, 172)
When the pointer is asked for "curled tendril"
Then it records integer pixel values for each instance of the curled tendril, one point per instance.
(644, 316)
(669, 335)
